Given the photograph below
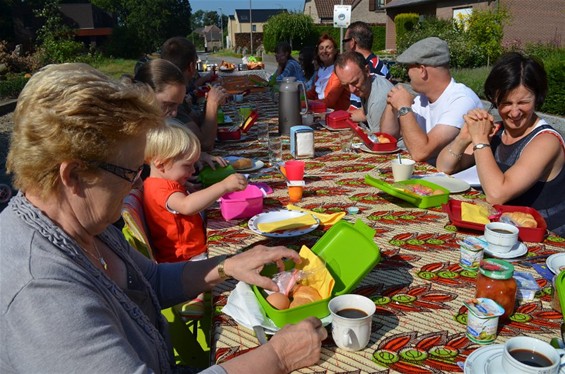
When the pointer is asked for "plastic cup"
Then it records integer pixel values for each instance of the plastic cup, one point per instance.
(402, 169)
(295, 191)
(294, 170)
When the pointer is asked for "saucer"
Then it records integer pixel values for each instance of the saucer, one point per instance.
(518, 250)
(485, 360)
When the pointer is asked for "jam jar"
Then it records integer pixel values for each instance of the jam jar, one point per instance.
(495, 282)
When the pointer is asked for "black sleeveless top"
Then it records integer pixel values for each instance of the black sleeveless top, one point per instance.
(548, 198)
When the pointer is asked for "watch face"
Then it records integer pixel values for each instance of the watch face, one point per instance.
(404, 110)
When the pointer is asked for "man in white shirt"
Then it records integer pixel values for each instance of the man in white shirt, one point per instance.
(432, 119)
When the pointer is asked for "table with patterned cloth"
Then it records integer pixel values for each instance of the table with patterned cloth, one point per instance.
(418, 286)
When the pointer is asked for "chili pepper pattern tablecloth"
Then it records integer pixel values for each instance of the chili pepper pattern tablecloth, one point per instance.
(418, 287)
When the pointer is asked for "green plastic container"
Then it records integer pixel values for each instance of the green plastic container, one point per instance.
(560, 285)
(350, 253)
(208, 176)
(419, 201)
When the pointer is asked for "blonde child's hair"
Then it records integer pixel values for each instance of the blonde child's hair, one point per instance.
(170, 143)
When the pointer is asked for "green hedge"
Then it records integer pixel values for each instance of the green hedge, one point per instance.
(554, 102)
(12, 86)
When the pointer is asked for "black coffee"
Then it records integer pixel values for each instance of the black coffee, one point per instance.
(530, 358)
(501, 231)
(351, 313)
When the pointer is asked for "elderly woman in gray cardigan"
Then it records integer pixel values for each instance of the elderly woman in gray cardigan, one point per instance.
(75, 296)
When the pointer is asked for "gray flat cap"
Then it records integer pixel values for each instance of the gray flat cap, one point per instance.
(430, 51)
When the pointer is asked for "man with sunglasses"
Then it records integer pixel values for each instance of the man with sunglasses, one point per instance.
(433, 118)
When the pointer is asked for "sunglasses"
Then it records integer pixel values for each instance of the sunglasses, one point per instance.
(346, 40)
(129, 175)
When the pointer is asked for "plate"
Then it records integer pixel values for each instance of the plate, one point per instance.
(328, 111)
(556, 263)
(518, 250)
(279, 215)
(363, 147)
(454, 185)
(323, 123)
(226, 70)
(257, 164)
(485, 360)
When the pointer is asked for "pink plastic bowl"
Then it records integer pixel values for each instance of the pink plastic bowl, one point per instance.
(242, 204)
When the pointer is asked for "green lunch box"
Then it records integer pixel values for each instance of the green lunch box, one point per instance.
(560, 285)
(419, 201)
(208, 176)
(349, 252)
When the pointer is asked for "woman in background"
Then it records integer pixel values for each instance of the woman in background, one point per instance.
(327, 86)
(287, 65)
(520, 161)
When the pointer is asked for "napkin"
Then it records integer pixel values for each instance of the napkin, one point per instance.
(243, 307)
(325, 219)
(317, 275)
(305, 220)
(474, 213)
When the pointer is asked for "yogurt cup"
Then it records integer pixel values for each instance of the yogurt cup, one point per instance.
(472, 252)
(482, 319)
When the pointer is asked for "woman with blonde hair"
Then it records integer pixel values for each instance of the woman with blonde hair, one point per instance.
(76, 149)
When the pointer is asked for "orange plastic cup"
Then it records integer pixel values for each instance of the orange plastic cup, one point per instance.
(295, 191)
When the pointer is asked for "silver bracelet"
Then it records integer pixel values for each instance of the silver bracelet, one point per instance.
(456, 155)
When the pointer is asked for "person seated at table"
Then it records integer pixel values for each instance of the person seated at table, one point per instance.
(181, 52)
(173, 215)
(308, 64)
(100, 298)
(327, 86)
(168, 83)
(353, 73)
(521, 160)
(287, 65)
(429, 121)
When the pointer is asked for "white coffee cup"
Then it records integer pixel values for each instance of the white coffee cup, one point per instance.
(351, 333)
(501, 237)
(402, 169)
(518, 352)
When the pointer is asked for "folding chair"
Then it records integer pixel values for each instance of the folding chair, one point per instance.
(183, 329)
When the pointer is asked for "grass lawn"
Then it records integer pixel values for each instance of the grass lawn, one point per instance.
(115, 67)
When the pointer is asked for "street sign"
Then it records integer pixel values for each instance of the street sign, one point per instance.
(342, 15)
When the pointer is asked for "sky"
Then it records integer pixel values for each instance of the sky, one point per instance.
(228, 6)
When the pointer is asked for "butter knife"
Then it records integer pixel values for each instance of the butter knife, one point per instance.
(260, 334)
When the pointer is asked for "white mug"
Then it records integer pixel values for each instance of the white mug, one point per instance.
(501, 237)
(518, 352)
(402, 169)
(352, 316)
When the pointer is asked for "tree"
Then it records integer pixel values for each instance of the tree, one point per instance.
(143, 25)
(295, 28)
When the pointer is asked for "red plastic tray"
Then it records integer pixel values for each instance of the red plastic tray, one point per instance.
(373, 146)
(526, 234)
(337, 119)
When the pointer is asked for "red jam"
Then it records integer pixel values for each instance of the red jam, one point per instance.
(495, 282)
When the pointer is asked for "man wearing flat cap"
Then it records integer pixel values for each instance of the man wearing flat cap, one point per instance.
(433, 118)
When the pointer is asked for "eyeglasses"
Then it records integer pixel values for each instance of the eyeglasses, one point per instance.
(131, 176)
(346, 40)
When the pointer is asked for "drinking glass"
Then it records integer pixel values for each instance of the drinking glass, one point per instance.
(275, 150)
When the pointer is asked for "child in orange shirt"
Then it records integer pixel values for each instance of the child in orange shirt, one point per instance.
(172, 214)
(176, 227)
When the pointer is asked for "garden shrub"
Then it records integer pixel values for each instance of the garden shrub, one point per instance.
(12, 86)
(555, 68)
(405, 23)
(295, 28)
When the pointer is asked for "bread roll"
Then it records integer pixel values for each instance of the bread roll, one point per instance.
(303, 295)
(521, 219)
(242, 163)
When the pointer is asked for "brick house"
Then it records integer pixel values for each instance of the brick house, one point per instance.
(369, 11)
(212, 36)
(531, 21)
(242, 24)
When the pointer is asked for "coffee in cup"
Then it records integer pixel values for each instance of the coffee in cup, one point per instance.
(528, 355)
(501, 237)
(352, 317)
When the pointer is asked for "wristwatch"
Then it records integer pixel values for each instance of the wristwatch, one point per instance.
(403, 111)
(481, 146)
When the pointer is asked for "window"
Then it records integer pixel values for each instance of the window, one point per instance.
(461, 15)
(376, 5)
(254, 28)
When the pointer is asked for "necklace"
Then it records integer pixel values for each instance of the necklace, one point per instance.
(100, 258)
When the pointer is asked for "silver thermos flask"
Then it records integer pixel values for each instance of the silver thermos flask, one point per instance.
(290, 113)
